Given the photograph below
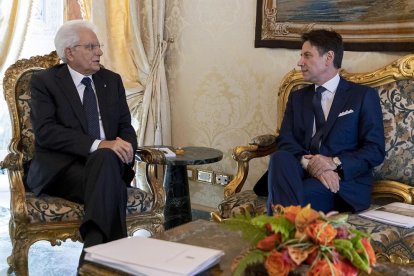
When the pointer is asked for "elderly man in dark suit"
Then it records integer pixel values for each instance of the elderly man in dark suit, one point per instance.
(331, 135)
(84, 138)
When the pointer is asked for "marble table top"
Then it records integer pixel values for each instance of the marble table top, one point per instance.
(196, 156)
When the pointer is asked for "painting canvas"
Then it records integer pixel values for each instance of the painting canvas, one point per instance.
(376, 25)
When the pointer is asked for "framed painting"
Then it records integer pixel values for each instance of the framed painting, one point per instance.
(365, 25)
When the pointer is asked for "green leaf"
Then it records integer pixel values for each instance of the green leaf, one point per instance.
(345, 248)
(362, 253)
(278, 225)
(253, 257)
(350, 249)
(250, 232)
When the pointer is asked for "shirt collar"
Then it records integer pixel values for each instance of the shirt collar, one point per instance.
(332, 84)
(76, 76)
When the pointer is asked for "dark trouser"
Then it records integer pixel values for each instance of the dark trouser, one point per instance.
(289, 184)
(98, 184)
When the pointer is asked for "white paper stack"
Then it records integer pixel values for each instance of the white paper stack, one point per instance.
(396, 213)
(148, 256)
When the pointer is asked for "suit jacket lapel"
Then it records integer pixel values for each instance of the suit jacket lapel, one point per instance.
(65, 81)
(308, 115)
(338, 103)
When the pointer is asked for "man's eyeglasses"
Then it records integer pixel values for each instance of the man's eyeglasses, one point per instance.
(89, 46)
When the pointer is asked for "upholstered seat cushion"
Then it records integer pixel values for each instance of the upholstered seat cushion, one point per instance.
(53, 209)
(240, 203)
(385, 238)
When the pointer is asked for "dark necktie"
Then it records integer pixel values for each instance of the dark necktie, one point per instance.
(319, 120)
(91, 109)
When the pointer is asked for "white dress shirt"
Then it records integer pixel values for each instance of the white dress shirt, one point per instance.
(80, 87)
(327, 98)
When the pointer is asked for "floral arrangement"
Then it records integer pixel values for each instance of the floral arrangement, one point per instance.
(295, 236)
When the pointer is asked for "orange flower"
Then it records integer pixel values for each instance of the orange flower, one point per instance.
(277, 265)
(306, 216)
(291, 212)
(323, 268)
(269, 243)
(370, 251)
(321, 232)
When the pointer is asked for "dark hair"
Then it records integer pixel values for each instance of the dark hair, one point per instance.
(326, 41)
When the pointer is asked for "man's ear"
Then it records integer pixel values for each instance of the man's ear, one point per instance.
(330, 55)
(68, 54)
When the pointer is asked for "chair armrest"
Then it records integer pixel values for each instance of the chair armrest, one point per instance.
(153, 158)
(393, 189)
(260, 146)
(13, 162)
(150, 156)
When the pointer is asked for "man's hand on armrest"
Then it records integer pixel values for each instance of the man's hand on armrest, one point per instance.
(123, 149)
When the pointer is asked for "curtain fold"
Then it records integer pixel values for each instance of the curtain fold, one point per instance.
(132, 32)
(14, 18)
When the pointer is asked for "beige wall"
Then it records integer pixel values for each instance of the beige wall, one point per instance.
(223, 90)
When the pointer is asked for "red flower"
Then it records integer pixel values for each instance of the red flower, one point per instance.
(269, 243)
(370, 251)
(311, 257)
(346, 268)
(323, 268)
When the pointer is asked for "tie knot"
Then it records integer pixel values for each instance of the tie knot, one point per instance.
(86, 81)
(320, 90)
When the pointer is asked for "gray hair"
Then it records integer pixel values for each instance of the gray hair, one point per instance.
(67, 36)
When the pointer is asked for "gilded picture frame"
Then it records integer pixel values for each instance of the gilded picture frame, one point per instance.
(371, 26)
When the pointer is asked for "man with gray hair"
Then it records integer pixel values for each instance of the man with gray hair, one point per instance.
(85, 142)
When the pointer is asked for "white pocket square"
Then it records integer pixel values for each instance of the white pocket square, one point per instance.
(345, 113)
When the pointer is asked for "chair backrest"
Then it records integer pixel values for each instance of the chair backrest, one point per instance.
(17, 94)
(395, 85)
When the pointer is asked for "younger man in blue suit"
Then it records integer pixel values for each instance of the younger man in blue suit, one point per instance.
(331, 135)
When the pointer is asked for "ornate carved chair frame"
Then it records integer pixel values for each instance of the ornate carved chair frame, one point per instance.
(51, 218)
(394, 179)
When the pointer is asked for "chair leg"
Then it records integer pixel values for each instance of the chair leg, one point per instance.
(18, 260)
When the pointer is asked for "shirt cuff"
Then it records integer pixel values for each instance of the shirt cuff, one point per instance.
(94, 146)
(304, 162)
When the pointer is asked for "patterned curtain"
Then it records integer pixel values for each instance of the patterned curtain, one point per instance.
(133, 35)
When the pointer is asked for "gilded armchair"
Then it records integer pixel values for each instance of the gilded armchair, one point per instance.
(51, 218)
(393, 179)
